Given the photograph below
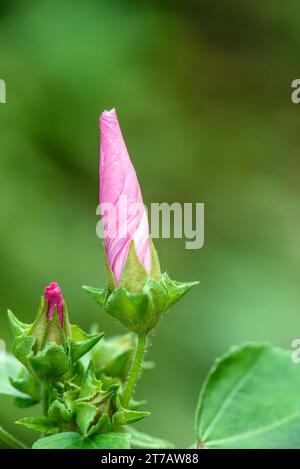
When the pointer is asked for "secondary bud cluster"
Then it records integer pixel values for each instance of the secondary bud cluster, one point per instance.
(50, 346)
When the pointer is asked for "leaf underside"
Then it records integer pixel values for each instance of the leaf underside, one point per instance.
(10, 368)
(250, 400)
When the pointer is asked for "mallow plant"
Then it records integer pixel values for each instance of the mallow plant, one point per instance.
(84, 383)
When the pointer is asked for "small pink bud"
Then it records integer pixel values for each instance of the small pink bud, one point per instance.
(121, 202)
(54, 297)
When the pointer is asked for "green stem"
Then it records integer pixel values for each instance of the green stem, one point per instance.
(9, 441)
(135, 370)
(45, 400)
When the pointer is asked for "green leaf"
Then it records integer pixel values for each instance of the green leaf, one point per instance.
(8, 441)
(25, 383)
(10, 368)
(40, 424)
(71, 440)
(250, 399)
(142, 440)
(24, 402)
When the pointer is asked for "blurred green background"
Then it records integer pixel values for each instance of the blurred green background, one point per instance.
(202, 91)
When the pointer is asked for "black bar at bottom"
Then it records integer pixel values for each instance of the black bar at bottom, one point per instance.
(134, 458)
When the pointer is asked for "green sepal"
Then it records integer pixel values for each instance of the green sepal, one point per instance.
(61, 411)
(22, 348)
(112, 356)
(124, 416)
(157, 301)
(133, 404)
(155, 265)
(93, 405)
(34, 345)
(74, 376)
(37, 329)
(176, 290)
(90, 420)
(66, 321)
(40, 424)
(111, 281)
(92, 388)
(98, 294)
(18, 328)
(40, 328)
(108, 381)
(127, 307)
(50, 363)
(104, 425)
(134, 274)
(80, 343)
(53, 331)
(139, 312)
(118, 367)
(85, 415)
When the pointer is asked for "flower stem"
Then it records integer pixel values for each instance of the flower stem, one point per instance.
(135, 370)
(45, 400)
(9, 441)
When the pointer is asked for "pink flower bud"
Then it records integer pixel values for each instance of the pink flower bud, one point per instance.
(54, 297)
(123, 214)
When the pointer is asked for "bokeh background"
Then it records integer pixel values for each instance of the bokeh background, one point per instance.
(203, 92)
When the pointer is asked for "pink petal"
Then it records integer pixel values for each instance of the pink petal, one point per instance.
(54, 297)
(119, 184)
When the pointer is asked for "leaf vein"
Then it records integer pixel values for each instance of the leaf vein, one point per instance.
(230, 397)
(259, 430)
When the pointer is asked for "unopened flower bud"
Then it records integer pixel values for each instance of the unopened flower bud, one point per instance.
(137, 294)
(54, 298)
(50, 346)
(123, 212)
